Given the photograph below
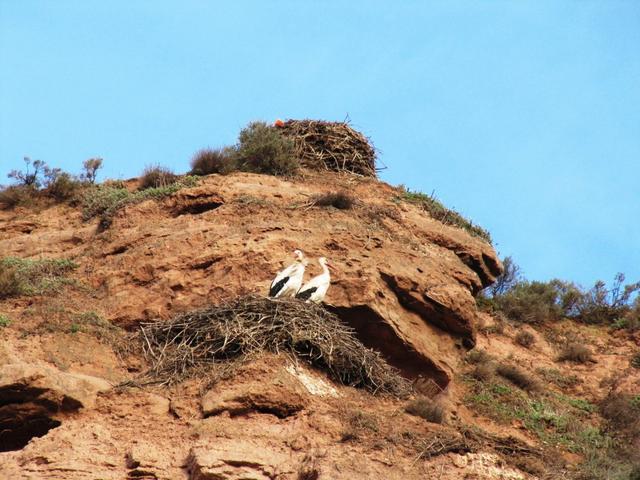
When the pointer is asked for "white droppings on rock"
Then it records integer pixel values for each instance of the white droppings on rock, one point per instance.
(314, 385)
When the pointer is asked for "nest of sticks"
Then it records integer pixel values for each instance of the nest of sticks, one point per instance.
(331, 145)
(220, 334)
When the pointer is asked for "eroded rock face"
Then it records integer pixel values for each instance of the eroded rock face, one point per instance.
(404, 281)
(235, 460)
(279, 394)
(33, 398)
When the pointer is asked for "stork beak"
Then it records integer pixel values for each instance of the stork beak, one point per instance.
(332, 268)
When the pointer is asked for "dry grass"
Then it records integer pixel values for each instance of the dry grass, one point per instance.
(524, 338)
(331, 146)
(622, 412)
(250, 324)
(428, 409)
(518, 377)
(483, 371)
(10, 284)
(208, 161)
(476, 356)
(339, 200)
(576, 352)
(157, 177)
(17, 195)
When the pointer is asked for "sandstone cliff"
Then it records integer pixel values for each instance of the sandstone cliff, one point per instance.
(405, 282)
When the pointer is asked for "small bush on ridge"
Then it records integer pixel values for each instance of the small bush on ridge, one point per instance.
(157, 177)
(91, 167)
(508, 279)
(208, 161)
(15, 195)
(262, 149)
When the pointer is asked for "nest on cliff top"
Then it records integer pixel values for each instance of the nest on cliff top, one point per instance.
(192, 340)
(331, 146)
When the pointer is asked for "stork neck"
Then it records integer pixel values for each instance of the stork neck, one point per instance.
(325, 270)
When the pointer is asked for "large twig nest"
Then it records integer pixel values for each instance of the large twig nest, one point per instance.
(330, 145)
(249, 324)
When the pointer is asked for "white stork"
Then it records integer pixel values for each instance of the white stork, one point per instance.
(316, 288)
(288, 281)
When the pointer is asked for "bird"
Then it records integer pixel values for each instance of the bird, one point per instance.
(316, 288)
(288, 281)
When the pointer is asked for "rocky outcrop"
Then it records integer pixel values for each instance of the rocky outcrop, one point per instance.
(33, 399)
(278, 393)
(235, 460)
(404, 281)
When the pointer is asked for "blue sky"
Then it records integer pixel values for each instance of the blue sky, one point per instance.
(522, 115)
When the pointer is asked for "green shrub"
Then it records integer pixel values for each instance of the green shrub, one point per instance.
(61, 186)
(262, 149)
(524, 338)
(99, 199)
(157, 177)
(208, 161)
(531, 302)
(105, 201)
(603, 305)
(339, 200)
(556, 377)
(576, 352)
(422, 407)
(20, 276)
(4, 321)
(441, 213)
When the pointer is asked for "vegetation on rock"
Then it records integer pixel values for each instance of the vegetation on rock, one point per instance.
(439, 212)
(32, 277)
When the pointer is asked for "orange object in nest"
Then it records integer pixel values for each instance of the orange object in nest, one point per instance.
(278, 123)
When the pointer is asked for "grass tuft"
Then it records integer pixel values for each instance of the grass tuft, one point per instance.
(518, 377)
(431, 411)
(20, 276)
(157, 177)
(208, 161)
(439, 212)
(576, 352)
(105, 200)
(524, 338)
(339, 200)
